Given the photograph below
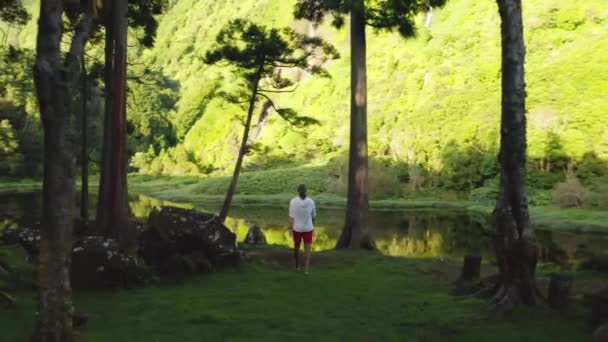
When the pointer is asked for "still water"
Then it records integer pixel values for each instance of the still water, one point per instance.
(437, 233)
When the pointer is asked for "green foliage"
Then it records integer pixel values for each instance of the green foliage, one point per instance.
(13, 12)
(142, 15)
(20, 126)
(379, 14)
(9, 150)
(261, 54)
(151, 106)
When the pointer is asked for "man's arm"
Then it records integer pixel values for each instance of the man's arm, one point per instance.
(291, 215)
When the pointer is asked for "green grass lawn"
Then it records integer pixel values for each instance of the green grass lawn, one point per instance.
(348, 296)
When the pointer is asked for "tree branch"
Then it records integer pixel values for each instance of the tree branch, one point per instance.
(83, 31)
(269, 100)
(278, 91)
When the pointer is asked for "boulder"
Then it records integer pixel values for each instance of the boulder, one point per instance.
(97, 262)
(184, 241)
(255, 236)
(27, 237)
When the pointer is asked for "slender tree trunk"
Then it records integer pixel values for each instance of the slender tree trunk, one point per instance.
(102, 216)
(356, 232)
(113, 209)
(515, 250)
(54, 82)
(84, 154)
(243, 149)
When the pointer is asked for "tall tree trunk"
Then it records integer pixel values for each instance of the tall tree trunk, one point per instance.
(102, 216)
(356, 232)
(113, 208)
(243, 149)
(515, 249)
(84, 153)
(54, 83)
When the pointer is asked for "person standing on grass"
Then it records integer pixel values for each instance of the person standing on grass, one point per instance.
(302, 214)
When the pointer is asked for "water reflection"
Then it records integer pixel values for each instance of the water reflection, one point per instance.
(411, 233)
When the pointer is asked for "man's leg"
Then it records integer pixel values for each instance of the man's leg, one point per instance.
(307, 249)
(297, 238)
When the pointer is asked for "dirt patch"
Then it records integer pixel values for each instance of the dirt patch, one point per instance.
(283, 257)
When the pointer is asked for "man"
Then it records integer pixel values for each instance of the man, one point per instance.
(302, 214)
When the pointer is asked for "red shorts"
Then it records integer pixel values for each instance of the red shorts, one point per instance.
(298, 236)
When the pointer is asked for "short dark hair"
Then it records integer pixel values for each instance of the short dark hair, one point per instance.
(302, 188)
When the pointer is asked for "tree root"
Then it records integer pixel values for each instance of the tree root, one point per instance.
(504, 302)
(483, 288)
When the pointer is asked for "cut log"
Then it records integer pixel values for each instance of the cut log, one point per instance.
(560, 287)
(471, 268)
(79, 320)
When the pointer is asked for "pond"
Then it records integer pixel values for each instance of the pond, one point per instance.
(437, 233)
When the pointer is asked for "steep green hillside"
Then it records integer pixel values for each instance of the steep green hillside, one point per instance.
(434, 101)
(431, 98)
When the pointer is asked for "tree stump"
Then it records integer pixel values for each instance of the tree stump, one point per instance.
(598, 303)
(255, 236)
(560, 287)
(471, 268)
(79, 320)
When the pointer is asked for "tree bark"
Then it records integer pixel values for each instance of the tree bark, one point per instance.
(84, 154)
(54, 82)
(113, 208)
(356, 232)
(102, 198)
(243, 149)
(515, 249)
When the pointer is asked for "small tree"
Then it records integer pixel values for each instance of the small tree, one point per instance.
(259, 54)
(379, 14)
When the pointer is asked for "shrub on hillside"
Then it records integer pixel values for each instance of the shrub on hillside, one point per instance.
(571, 194)
(599, 196)
(383, 179)
(486, 194)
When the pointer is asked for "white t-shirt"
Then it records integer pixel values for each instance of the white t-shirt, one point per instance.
(302, 211)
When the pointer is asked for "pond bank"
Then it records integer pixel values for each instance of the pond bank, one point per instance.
(180, 190)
